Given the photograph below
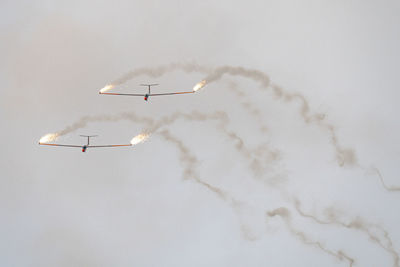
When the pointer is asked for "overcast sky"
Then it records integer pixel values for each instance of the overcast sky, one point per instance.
(301, 171)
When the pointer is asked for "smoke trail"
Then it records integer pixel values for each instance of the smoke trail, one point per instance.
(358, 224)
(161, 70)
(219, 116)
(150, 124)
(260, 159)
(285, 215)
(245, 214)
(189, 162)
(345, 156)
(388, 188)
(187, 159)
(84, 121)
(252, 74)
(254, 111)
(257, 157)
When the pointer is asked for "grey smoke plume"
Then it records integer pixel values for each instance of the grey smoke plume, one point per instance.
(84, 121)
(252, 74)
(190, 163)
(161, 70)
(260, 158)
(187, 159)
(345, 156)
(150, 124)
(285, 215)
(357, 224)
(219, 116)
(252, 109)
(388, 188)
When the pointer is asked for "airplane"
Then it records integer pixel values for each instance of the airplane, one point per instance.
(84, 147)
(146, 96)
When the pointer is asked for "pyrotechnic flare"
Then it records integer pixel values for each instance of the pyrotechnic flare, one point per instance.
(106, 88)
(49, 138)
(199, 85)
(139, 138)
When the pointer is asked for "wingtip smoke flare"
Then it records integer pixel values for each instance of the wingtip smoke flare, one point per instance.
(139, 138)
(49, 138)
(199, 85)
(106, 88)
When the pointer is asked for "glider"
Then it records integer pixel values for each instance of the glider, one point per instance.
(146, 96)
(84, 147)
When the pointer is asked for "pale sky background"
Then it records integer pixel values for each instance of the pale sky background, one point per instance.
(133, 206)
